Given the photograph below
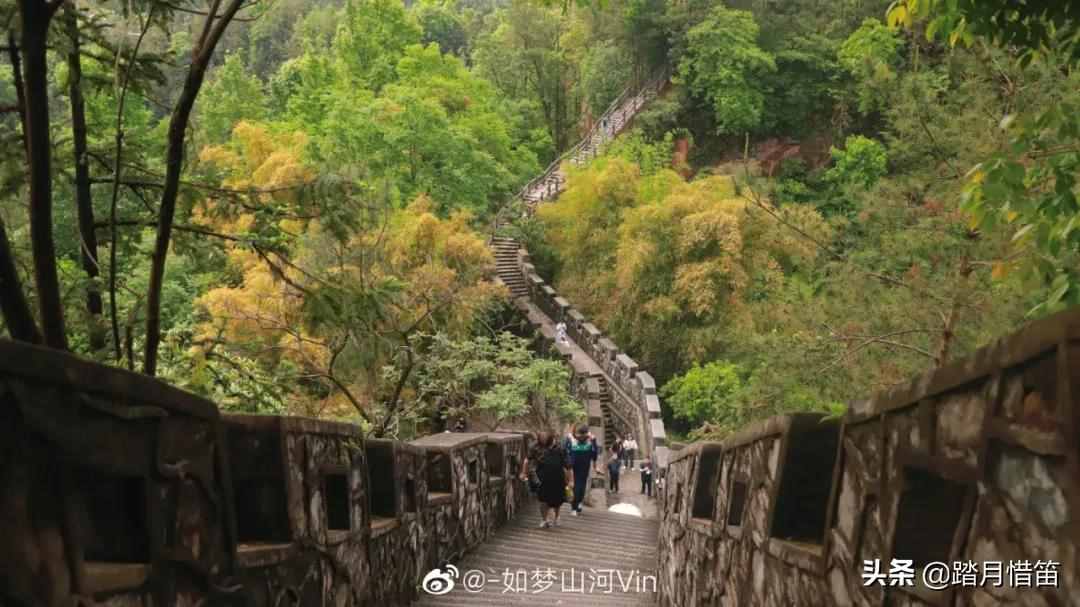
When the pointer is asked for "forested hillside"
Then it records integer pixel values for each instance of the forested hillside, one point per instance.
(285, 205)
(869, 198)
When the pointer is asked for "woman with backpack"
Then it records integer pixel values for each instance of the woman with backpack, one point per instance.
(548, 477)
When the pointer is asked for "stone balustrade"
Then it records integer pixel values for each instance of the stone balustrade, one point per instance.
(973, 462)
(121, 489)
(634, 399)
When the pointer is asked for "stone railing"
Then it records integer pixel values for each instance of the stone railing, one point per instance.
(633, 390)
(548, 184)
(974, 462)
(121, 490)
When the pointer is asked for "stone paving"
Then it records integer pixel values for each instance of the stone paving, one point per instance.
(602, 557)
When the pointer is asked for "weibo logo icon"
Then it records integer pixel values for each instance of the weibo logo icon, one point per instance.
(440, 581)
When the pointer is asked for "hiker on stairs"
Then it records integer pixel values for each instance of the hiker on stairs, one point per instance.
(614, 467)
(583, 452)
(548, 477)
(646, 478)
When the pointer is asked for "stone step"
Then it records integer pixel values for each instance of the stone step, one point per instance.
(584, 547)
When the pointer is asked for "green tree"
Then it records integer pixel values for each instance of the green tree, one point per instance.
(723, 66)
(493, 380)
(871, 55)
(442, 27)
(710, 393)
(1035, 28)
(1031, 184)
(231, 95)
(862, 161)
(371, 39)
(529, 54)
(605, 72)
(669, 267)
(437, 129)
(800, 92)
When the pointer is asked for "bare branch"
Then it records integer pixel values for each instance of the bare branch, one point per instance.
(119, 146)
(190, 11)
(174, 162)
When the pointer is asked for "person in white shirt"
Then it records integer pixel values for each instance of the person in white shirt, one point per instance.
(560, 332)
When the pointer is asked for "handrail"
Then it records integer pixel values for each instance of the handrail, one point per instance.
(645, 92)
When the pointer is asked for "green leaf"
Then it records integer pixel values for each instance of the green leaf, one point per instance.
(1022, 232)
(1060, 288)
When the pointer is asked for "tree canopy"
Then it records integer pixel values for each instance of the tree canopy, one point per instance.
(285, 206)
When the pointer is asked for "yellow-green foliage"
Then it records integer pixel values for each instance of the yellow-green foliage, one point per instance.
(338, 308)
(666, 265)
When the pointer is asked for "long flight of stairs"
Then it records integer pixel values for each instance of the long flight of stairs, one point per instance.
(612, 122)
(605, 409)
(601, 543)
(550, 184)
(506, 266)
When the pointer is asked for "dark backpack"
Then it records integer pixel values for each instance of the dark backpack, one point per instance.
(548, 460)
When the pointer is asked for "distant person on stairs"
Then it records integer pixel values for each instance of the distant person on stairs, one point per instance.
(614, 467)
(560, 332)
(548, 477)
(646, 477)
(583, 452)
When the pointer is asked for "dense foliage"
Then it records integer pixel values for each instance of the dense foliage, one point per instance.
(285, 207)
(884, 244)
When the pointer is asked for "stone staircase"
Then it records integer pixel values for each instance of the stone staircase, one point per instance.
(605, 408)
(549, 184)
(506, 267)
(583, 554)
(509, 274)
(603, 557)
(612, 122)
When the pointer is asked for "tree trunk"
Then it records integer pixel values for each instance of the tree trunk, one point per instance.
(679, 161)
(83, 202)
(17, 316)
(13, 305)
(36, 16)
(174, 164)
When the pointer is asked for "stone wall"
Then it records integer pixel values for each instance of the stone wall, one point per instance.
(123, 491)
(977, 461)
(635, 404)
